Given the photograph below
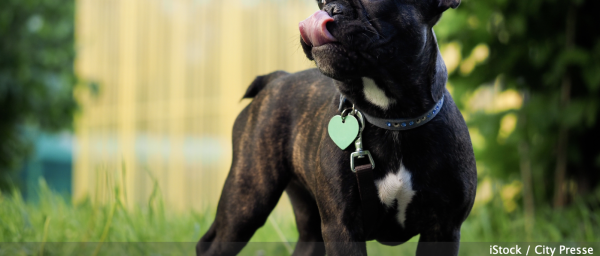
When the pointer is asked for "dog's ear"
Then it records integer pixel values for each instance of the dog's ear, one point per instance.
(437, 7)
(444, 5)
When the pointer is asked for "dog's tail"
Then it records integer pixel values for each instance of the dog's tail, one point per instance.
(260, 82)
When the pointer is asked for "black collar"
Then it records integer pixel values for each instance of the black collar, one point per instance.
(401, 124)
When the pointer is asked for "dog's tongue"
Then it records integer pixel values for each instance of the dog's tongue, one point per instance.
(313, 30)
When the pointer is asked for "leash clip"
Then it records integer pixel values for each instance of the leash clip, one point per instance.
(360, 153)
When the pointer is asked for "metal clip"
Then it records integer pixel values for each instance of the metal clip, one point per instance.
(360, 153)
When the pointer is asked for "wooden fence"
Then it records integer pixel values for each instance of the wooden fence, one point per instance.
(170, 75)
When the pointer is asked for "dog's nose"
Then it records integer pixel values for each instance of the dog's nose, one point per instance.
(334, 9)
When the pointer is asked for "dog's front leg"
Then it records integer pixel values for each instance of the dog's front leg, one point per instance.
(341, 219)
(343, 237)
(334, 245)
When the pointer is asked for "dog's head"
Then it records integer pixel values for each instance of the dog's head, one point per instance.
(354, 38)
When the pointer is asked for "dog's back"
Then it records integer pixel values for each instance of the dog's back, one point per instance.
(283, 107)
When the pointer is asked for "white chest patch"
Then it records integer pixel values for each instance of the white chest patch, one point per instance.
(396, 186)
(376, 95)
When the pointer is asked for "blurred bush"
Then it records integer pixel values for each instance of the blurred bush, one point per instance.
(538, 63)
(36, 75)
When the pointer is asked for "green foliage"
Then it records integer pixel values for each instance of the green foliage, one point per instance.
(36, 74)
(54, 221)
(534, 47)
(490, 222)
(102, 229)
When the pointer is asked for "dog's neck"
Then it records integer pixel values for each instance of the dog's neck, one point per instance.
(407, 88)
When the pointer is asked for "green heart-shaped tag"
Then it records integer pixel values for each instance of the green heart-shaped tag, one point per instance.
(343, 133)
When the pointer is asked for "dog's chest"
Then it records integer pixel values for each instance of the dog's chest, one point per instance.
(396, 189)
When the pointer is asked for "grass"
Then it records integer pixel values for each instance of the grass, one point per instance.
(49, 227)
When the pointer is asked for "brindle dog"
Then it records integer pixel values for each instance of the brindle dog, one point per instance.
(382, 56)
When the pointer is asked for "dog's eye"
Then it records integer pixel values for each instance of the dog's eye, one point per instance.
(320, 3)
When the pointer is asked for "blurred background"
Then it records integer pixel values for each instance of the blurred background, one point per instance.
(117, 115)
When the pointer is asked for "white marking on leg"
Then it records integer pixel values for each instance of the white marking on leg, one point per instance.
(396, 186)
(376, 95)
